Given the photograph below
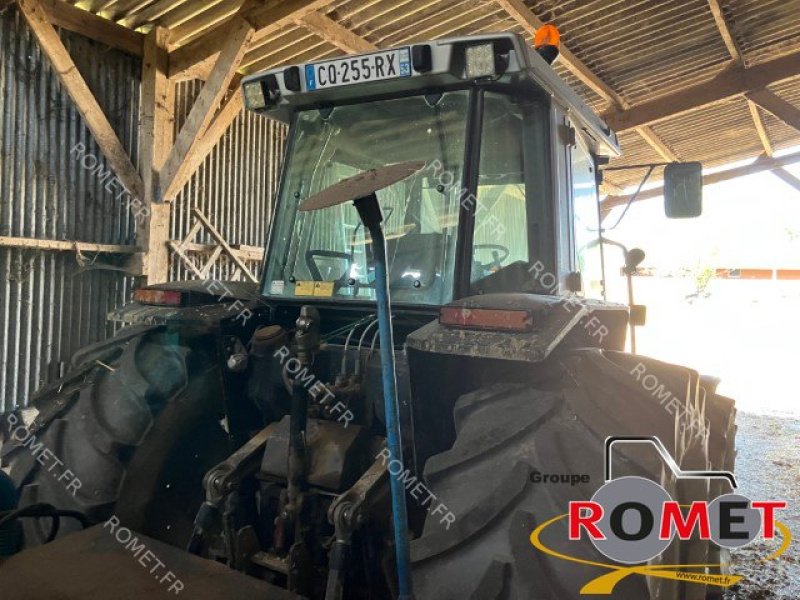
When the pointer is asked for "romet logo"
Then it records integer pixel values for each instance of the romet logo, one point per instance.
(632, 520)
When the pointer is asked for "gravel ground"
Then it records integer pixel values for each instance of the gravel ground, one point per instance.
(768, 468)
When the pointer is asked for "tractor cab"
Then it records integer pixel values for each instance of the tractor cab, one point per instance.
(509, 183)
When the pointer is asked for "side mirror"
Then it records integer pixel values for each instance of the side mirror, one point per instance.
(633, 258)
(683, 190)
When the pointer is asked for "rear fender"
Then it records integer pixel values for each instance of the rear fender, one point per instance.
(559, 322)
(205, 303)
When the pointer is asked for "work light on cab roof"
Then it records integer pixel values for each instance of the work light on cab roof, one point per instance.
(502, 58)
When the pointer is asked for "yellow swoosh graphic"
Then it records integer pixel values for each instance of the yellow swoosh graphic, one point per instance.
(604, 584)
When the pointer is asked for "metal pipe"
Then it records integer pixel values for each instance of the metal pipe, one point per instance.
(370, 213)
(632, 325)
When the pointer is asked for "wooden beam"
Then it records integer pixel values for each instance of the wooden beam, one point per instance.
(611, 189)
(761, 164)
(738, 57)
(657, 144)
(530, 23)
(189, 61)
(330, 31)
(763, 135)
(267, 17)
(82, 96)
(158, 110)
(155, 141)
(731, 82)
(203, 147)
(243, 251)
(788, 177)
(772, 103)
(321, 26)
(65, 246)
(205, 107)
(97, 28)
(225, 246)
(725, 31)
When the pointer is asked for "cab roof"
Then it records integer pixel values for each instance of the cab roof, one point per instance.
(278, 92)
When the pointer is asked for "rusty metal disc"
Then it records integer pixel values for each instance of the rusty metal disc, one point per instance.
(361, 185)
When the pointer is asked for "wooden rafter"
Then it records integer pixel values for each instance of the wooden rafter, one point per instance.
(329, 30)
(97, 28)
(267, 18)
(731, 82)
(772, 103)
(200, 24)
(725, 31)
(530, 23)
(82, 96)
(149, 13)
(758, 122)
(122, 8)
(204, 109)
(760, 128)
(656, 143)
(761, 164)
(611, 189)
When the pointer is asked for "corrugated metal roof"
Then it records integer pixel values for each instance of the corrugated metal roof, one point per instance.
(642, 49)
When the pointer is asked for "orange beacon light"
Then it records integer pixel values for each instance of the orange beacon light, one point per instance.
(547, 42)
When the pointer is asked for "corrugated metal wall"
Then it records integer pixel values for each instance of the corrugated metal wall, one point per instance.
(49, 306)
(235, 186)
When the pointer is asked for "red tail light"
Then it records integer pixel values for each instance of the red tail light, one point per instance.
(159, 297)
(486, 318)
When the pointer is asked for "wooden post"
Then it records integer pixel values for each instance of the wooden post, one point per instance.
(155, 141)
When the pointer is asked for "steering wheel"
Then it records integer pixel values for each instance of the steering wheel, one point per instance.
(496, 258)
(317, 274)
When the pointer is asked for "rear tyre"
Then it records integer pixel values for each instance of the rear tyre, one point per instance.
(722, 454)
(137, 425)
(508, 432)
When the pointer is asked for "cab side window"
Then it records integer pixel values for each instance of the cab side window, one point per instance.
(588, 257)
(501, 217)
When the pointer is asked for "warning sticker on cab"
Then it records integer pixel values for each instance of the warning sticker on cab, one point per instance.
(322, 289)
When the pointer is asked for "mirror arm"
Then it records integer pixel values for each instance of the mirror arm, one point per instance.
(640, 166)
(632, 199)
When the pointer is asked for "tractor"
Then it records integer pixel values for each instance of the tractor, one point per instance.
(246, 425)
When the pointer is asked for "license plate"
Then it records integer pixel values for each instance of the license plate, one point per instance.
(388, 64)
